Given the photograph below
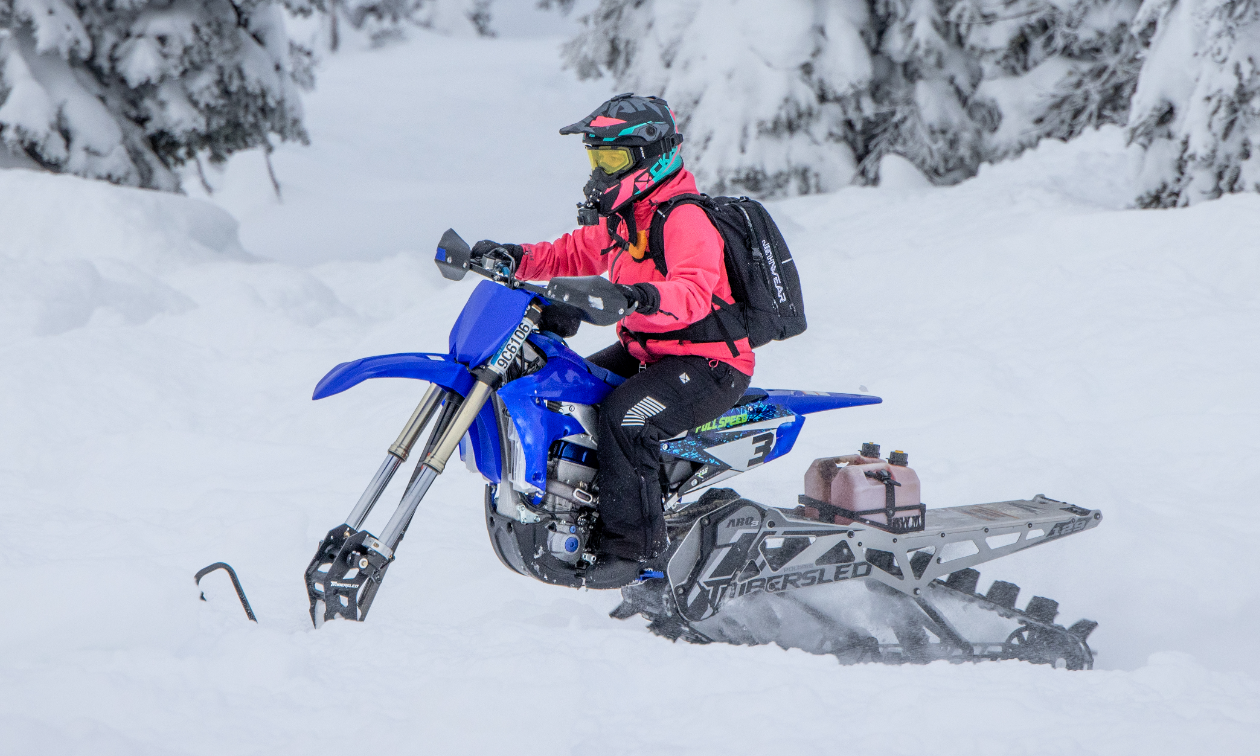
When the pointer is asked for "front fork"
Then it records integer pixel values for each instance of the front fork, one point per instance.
(349, 565)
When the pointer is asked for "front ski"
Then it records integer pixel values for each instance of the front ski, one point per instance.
(236, 584)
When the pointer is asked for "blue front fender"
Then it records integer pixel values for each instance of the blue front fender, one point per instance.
(434, 368)
(438, 369)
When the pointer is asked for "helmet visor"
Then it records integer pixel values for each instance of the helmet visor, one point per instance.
(610, 160)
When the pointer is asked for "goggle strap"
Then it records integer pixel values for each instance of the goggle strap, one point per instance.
(656, 149)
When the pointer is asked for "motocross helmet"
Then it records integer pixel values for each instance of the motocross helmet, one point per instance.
(632, 143)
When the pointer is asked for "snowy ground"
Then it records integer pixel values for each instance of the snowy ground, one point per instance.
(1026, 333)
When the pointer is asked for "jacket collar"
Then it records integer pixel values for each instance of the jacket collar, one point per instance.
(683, 182)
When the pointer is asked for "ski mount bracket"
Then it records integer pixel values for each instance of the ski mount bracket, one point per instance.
(345, 574)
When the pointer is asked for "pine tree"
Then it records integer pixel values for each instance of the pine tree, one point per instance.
(923, 100)
(814, 93)
(1106, 58)
(128, 90)
(387, 20)
(1048, 70)
(768, 102)
(1196, 111)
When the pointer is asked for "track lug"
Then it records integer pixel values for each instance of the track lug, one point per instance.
(964, 580)
(919, 562)
(1003, 593)
(1042, 609)
(1083, 628)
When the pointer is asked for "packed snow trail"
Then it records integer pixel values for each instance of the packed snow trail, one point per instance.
(1027, 336)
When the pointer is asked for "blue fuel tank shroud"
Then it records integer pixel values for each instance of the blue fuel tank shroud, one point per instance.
(566, 377)
(488, 318)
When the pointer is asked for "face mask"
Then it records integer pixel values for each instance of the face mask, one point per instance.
(598, 198)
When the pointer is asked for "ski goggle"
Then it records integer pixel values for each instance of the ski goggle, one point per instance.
(610, 160)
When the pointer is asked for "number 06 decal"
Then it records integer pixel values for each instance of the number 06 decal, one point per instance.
(762, 444)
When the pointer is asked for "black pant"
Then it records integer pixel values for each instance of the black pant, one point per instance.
(669, 397)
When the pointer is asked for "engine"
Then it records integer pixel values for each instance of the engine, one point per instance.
(570, 498)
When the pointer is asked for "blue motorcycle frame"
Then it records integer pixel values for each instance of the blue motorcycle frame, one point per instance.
(516, 401)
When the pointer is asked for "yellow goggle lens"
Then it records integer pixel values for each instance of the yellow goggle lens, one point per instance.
(610, 160)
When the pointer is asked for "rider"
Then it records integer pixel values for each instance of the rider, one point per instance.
(681, 373)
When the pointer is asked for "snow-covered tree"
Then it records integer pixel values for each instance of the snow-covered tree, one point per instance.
(386, 20)
(769, 102)
(128, 90)
(1197, 106)
(1050, 69)
(809, 95)
(1105, 56)
(926, 108)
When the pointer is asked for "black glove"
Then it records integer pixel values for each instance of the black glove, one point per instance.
(485, 246)
(561, 319)
(644, 298)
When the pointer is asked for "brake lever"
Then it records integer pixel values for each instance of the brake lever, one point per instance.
(509, 280)
(501, 253)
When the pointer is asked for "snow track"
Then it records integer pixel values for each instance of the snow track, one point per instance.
(1025, 334)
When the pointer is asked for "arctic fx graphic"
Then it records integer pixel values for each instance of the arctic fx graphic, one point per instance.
(890, 584)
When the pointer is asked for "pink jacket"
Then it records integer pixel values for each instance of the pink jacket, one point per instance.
(693, 256)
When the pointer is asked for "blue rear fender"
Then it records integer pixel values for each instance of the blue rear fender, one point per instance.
(786, 410)
(809, 402)
(801, 403)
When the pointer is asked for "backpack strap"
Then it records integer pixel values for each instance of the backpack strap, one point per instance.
(718, 325)
(723, 320)
(626, 216)
(656, 230)
(721, 313)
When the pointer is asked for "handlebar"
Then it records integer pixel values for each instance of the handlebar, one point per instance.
(599, 300)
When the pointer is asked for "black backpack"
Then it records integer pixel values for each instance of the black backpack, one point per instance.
(764, 282)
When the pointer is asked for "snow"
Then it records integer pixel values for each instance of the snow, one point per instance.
(408, 149)
(1026, 332)
(895, 172)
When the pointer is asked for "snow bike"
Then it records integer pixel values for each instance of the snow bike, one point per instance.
(521, 407)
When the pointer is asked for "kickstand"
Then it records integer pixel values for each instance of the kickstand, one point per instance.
(236, 583)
